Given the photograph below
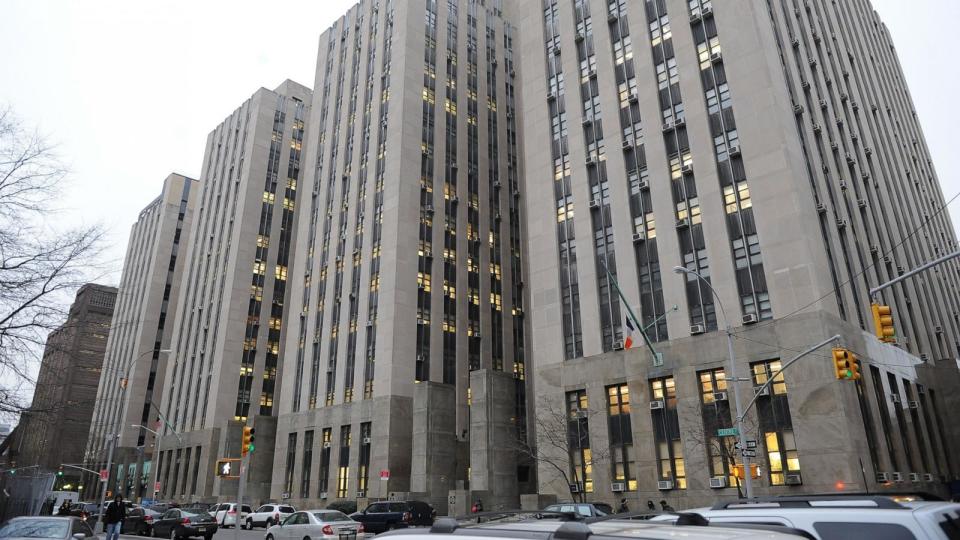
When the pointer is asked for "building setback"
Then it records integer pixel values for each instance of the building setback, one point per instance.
(406, 353)
(56, 428)
(228, 326)
(135, 360)
(771, 147)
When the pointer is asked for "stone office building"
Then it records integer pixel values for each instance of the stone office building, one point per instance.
(223, 371)
(136, 356)
(406, 351)
(771, 148)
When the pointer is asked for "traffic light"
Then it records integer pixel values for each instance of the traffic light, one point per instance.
(246, 445)
(60, 471)
(845, 365)
(883, 323)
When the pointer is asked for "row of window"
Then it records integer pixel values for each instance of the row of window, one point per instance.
(340, 471)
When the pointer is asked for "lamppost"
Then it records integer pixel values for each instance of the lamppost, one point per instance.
(113, 437)
(741, 436)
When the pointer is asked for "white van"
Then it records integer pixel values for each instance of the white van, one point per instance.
(57, 498)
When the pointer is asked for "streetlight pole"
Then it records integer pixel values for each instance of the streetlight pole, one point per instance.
(741, 435)
(115, 436)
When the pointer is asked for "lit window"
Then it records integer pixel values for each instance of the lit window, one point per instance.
(268, 197)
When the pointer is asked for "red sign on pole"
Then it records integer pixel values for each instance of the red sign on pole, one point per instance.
(156, 487)
(385, 474)
(103, 475)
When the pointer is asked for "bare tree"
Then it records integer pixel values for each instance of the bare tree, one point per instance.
(559, 433)
(714, 446)
(41, 263)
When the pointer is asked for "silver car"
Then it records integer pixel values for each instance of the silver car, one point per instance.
(316, 525)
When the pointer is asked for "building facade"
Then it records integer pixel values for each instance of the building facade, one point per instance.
(772, 149)
(135, 360)
(223, 370)
(405, 362)
(54, 431)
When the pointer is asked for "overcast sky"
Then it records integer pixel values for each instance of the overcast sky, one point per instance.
(131, 89)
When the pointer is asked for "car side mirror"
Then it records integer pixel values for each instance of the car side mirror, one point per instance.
(79, 536)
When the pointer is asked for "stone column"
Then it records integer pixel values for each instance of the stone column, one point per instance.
(493, 439)
(434, 464)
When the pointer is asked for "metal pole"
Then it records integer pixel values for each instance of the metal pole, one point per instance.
(242, 480)
(626, 304)
(913, 272)
(783, 368)
(103, 489)
(731, 358)
(660, 318)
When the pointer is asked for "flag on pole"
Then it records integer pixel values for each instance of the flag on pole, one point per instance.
(628, 337)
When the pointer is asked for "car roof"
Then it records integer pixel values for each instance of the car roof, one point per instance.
(573, 530)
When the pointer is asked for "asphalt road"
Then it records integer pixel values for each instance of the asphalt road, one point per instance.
(221, 534)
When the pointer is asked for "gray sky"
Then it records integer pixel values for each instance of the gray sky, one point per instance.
(130, 89)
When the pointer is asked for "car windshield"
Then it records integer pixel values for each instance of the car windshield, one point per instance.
(331, 515)
(35, 528)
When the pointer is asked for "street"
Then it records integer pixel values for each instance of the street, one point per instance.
(222, 534)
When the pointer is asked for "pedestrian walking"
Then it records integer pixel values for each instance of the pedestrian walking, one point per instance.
(116, 513)
(650, 505)
(666, 507)
(623, 507)
(64, 509)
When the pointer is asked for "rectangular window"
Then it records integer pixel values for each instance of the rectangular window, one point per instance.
(666, 431)
(291, 460)
(622, 456)
(776, 424)
(898, 404)
(325, 450)
(715, 413)
(884, 415)
(363, 471)
(307, 464)
(578, 440)
(343, 469)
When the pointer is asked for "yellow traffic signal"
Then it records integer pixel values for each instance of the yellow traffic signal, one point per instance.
(739, 472)
(883, 323)
(246, 445)
(845, 365)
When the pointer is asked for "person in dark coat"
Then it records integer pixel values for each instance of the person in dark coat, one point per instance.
(115, 514)
(623, 507)
(650, 505)
(64, 509)
(666, 507)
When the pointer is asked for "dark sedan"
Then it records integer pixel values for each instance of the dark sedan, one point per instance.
(177, 523)
(139, 521)
(46, 527)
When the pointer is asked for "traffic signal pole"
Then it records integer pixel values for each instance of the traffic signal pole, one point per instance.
(914, 272)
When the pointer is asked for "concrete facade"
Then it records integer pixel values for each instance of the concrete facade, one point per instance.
(411, 279)
(55, 430)
(229, 324)
(135, 361)
(772, 148)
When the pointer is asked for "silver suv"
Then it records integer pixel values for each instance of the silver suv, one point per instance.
(846, 517)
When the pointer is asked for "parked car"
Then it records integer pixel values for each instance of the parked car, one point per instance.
(831, 517)
(139, 521)
(608, 529)
(388, 515)
(177, 523)
(52, 527)
(268, 515)
(316, 525)
(226, 514)
(585, 510)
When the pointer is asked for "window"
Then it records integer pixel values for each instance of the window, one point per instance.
(325, 450)
(715, 413)
(622, 453)
(666, 430)
(343, 469)
(291, 460)
(846, 530)
(307, 464)
(776, 424)
(578, 440)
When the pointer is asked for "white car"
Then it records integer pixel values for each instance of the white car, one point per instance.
(317, 525)
(226, 514)
(844, 517)
(268, 515)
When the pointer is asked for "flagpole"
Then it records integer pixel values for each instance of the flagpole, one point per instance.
(626, 303)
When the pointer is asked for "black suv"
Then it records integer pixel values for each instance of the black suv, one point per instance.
(387, 515)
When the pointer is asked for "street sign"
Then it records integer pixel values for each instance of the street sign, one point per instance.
(104, 474)
(658, 360)
(748, 453)
(751, 444)
(228, 468)
(385, 474)
(156, 487)
(285, 495)
(727, 432)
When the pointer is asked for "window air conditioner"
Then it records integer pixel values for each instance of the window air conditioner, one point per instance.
(665, 485)
(656, 404)
(720, 396)
(718, 482)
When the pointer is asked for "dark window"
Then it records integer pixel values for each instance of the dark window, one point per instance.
(862, 531)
